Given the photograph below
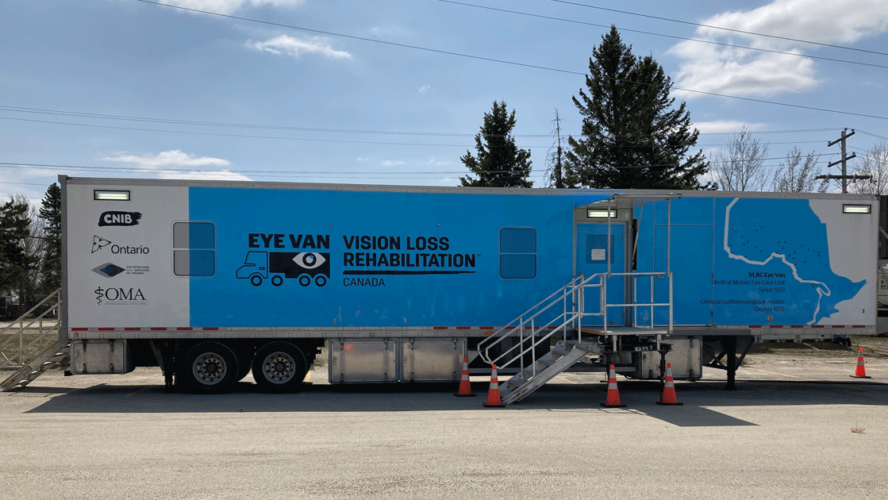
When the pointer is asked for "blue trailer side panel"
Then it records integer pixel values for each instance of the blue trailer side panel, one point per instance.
(394, 259)
(746, 261)
(773, 259)
(692, 267)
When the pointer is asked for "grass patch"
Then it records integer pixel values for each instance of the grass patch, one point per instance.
(32, 342)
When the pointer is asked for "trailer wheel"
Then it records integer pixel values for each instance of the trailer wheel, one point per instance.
(320, 280)
(305, 280)
(277, 280)
(210, 367)
(256, 280)
(279, 367)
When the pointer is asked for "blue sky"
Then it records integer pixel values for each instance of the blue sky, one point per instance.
(325, 108)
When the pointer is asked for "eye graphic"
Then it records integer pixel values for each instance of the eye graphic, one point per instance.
(309, 260)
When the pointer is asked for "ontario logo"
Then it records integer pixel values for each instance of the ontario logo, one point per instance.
(100, 243)
(108, 270)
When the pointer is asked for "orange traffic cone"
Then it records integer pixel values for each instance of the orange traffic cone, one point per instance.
(465, 386)
(861, 370)
(668, 396)
(613, 395)
(493, 396)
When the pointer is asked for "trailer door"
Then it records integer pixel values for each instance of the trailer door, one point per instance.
(593, 252)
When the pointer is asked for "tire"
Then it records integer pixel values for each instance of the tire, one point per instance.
(320, 280)
(210, 368)
(279, 367)
(277, 280)
(256, 280)
(305, 280)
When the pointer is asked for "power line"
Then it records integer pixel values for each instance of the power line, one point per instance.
(176, 121)
(292, 173)
(873, 135)
(139, 129)
(501, 61)
(82, 114)
(187, 132)
(24, 183)
(720, 27)
(696, 40)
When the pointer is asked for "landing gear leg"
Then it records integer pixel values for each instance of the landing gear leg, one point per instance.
(730, 345)
(169, 367)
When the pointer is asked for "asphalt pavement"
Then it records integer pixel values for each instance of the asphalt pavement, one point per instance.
(796, 427)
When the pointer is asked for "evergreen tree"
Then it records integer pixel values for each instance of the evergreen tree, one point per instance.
(14, 262)
(631, 135)
(51, 213)
(499, 163)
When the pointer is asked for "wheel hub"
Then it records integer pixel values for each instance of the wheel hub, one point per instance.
(279, 367)
(209, 368)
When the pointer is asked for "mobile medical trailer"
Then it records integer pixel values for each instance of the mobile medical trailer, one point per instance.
(213, 280)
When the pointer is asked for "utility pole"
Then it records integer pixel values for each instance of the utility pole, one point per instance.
(557, 167)
(844, 161)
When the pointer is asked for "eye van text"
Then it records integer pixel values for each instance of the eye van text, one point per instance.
(262, 240)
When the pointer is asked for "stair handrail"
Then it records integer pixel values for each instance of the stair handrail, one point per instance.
(576, 284)
(6, 361)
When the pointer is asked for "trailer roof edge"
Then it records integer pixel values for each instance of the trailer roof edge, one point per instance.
(654, 194)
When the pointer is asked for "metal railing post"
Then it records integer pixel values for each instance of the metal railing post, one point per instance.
(652, 301)
(634, 302)
(670, 303)
(604, 302)
(521, 343)
(532, 349)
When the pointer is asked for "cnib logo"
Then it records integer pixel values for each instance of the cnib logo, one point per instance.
(108, 270)
(119, 218)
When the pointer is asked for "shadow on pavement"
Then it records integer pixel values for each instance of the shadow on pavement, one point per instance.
(698, 399)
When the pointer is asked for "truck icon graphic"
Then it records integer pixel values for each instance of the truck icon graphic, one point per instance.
(303, 266)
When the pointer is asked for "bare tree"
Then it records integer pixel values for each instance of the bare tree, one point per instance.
(797, 174)
(554, 158)
(740, 168)
(875, 165)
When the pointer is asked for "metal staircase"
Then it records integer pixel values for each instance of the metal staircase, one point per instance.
(527, 337)
(531, 378)
(28, 347)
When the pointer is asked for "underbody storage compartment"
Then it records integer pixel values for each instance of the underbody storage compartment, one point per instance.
(684, 356)
(395, 360)
(100, 356)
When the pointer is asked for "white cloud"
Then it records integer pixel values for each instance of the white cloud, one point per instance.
(725, 126)
(424, 88)
(391, 163)
(727, 70)
(161, 163)
(295, 47)
(170, 159)
(203, 175)
(227, 6)
(844, 22)
(440, 163)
